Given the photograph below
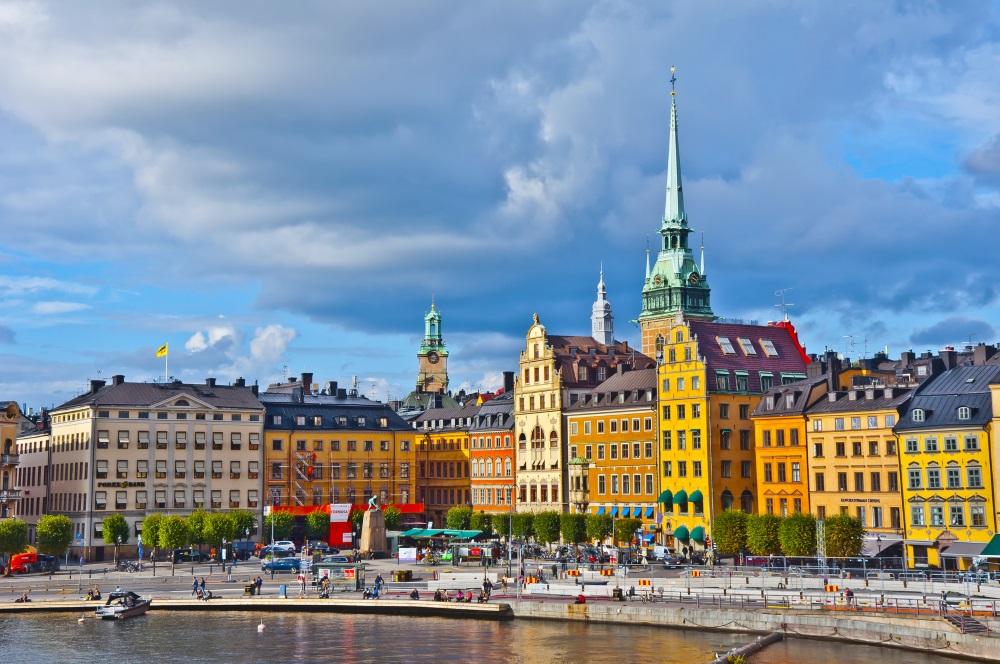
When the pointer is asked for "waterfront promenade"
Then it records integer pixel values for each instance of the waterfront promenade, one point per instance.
(885, 612)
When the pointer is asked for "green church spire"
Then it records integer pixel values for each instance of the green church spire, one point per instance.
(675, 285)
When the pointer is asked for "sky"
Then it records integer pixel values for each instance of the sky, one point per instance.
(277, 188)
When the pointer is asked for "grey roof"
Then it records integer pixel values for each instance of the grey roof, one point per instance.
(942, 396)
(804, 392)
(861, 401)
(450, 416)
(329, 408)
(638, 388)
(497, 414)
(148, 394)
(424, 401)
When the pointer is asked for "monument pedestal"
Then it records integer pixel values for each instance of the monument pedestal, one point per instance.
(373, 532)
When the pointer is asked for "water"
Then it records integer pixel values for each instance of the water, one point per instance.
(312, 637)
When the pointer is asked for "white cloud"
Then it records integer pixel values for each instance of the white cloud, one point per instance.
(49, 308)
(22, 285)
(211, 337)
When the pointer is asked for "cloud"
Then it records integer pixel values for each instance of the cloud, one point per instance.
(212, 337)
(954, 331)
(7, 335)
(21, 286)
(49, 308)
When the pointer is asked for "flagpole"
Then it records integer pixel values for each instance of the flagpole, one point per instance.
(166, 366)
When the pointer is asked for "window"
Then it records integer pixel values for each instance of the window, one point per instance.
(840, 449)
(140, 500)
(890, 448)
(681, 411)
(123, 440)
(937, 515)
(838, 423)
(768, 473)
(696, 468)
(102, 469)
(872, 448)
(912, 446)
(682, 469)
(890, 421)
(727, 469)
(933, 478)
(974, 474)
(957, 515)
(102, 440)
(796, 472)
(744, 410)
(914, 479)
(180, 469)
(727, 346)
(766, 382)
(745, 469)
(217, 470)
(747, 347)
(614, 426)
(234, 470)
(917, 415)
(601, 485)
(724, 437)
(873, 422)
(781, 473)
(964, 413)
(893, 478)
(216, 499)
(817, 425)
(917, 515)
(236, 440)
(122, 472)
(141, 469)
(820, 482)
(978, 516)
(100, 500)
(722, 381)
(971, 443)
(856, 448)
(744, 439)
(817, 450)
(614, 485)
(769, 505)
(666, 412)
(855, 422)
(217, 440)
(143, 442)
(666, 440)
(253, 469)
(876, 481)
(682, 440)
(626, 484)
(841, 481)
(742, 385)
(696, 439)
(647, 449)
(953, 476)
(768, 347)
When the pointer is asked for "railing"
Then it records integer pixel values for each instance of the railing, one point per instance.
(9, 459)
(10, 495)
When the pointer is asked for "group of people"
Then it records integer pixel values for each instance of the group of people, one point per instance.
(94, 594)
(466, 597)
(199, 590)
(22, 599)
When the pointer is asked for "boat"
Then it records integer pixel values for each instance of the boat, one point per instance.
(123, 604)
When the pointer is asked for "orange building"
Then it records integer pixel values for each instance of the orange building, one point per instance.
(491, 452)
(443, 454)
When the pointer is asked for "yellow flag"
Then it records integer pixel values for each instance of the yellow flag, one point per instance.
(161, 351)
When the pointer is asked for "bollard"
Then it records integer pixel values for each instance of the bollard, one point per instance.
(866, 582)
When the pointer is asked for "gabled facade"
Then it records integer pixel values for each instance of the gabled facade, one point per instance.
(491, 443)
(946, 465)
(10, 422)
(443, 460)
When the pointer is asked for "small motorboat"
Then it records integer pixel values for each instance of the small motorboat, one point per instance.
(123, 604)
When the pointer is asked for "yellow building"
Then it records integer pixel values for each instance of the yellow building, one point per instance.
(443, 474)
(948, 483)
(613, 428)
(711, 379)
(10, 422)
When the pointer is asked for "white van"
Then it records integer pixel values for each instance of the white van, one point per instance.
(660, 552)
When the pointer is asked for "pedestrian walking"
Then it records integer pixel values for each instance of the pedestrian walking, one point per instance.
(194, 586)
(202, 584)
(503, 584)
(260, 583)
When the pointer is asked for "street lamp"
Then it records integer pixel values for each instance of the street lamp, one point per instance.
(119, 543)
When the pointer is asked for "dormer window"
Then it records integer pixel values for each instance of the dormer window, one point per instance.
(768, 347)
(918, 415)
(747, 346)
(726, 345)
(964, 413)
(789, 401)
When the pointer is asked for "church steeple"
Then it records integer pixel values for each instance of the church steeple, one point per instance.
(432, 357)
(602, 323)
(675, 285)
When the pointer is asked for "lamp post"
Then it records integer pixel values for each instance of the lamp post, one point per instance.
(878, 554)
(118, 544)
(510, 527)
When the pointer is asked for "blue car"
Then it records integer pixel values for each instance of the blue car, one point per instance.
(280, 565)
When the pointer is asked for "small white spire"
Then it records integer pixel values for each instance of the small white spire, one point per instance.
(702, 270)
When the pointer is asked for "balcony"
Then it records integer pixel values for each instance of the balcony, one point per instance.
(9, 459)
(10, 495)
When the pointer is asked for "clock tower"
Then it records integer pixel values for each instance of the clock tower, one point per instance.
(675, 286)
(432, 357)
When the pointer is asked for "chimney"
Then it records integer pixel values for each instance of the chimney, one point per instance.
(906, 358)
(331, 388)
(117, 379)
(210, 382)
(982, 353)
(95, 385)
(240, 382)
(297, 395)
(620, 369)
(833, 369)
(341, 393)
(254, 389)
(949, 357)
(508, 382)
(307, 381)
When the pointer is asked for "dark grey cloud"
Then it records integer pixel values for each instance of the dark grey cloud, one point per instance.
(955, 331)
(984, 162)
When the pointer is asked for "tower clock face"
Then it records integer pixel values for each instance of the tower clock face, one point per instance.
(432, 357)
(693, 278)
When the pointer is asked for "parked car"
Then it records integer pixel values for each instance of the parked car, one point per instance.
(188, 555)
(268, 552)
(318, 546)
(25, 563)
(280, 565)
(343, 560)
(670, 561)
(243, 549)
(284, 545)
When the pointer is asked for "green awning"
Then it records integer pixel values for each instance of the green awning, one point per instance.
(696, 496)
(665, 497)
(412, 532)
(421, 532)
(681, 533)
(462, 534)
(697, 534)
(681, 497)
(992, 550)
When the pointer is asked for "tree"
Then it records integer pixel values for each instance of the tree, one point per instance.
(845, 536)
(357, 519)
(174, 532)
(523, 525)
(283, 524)
(599, 526)
(481, 521)
(244, 520)
(798, 535)
(573, 527)
(392, 516)
(729, 532)
(546, 526)
(54, 534)
(501, 524)
(458, 517)
(151, 530)
(196, 526)
(625, 529)
(218, 526)
(317, 525)
(763, 536)
(13, 536)
(115, 531)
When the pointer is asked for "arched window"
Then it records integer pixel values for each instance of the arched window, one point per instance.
(506, 467)
(727, 500)
(537, 438)
(660, 343)
(553, 440)
(964, 413)
(679, 336)
(499, 468)
(746, 502)
(489, 468)
(522, 442)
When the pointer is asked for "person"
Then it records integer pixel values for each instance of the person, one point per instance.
(375, 592)
(302, 584)
(200, 594)
(260, 582)
(503, 584)
(194, 585)
(445, 597)
(414, 594)
(483, 598)
(849, 595)
(202, 584)
(97, 592)
(581, 599)
(325, 588)
(379, 581)
(23, 598)
(555, 572)
(208, 595)
(437, 594)
(90, 595)
(468, 597)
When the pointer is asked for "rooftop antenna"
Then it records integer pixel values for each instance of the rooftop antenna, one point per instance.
(850, 343)
(284, 371)
(673, 79)
(783, 305)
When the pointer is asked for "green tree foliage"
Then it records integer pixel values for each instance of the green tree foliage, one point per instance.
(625, 529)
(763, 534)
(244, 520)
(729, 532)
(458, 517)
(317, 525)
(54, 534)
(573, 527)
(393, 516)
(845, 535)
(523, 525)
(218, 526)
(599, 526)
(481, 521)
(196, 526)
(116, 529)
(357, 519)
(13, 536)
(283, 524)
(174, 532)
(547, 527)
(151, 529)
(501, 524)
(798, 535)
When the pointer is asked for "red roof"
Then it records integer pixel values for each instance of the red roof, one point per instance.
(788, 356)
